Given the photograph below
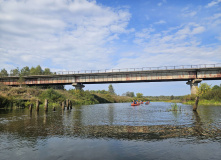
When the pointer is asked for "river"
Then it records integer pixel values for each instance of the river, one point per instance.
(112, 132)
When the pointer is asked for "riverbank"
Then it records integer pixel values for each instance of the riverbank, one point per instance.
(204, 102)
(24, 96)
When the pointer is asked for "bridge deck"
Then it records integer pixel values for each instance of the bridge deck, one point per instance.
(120, 76)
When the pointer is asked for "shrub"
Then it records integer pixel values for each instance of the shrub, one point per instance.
(52, 96)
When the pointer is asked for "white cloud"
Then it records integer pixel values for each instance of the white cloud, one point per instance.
(66, 34)
(189, 13)
(174, 46)
(213, 3)
(198, 30)
(160, 22)
(161, 3)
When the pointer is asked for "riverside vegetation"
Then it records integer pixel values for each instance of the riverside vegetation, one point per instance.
(24, 96)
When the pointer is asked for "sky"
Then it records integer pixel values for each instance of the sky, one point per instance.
(73, 35)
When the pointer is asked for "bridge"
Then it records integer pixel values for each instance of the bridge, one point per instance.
(192, 74)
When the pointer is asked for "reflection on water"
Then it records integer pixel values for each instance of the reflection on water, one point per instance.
(111, 127)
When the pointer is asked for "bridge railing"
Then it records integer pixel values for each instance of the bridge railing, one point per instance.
(127, 69)
(142, 69)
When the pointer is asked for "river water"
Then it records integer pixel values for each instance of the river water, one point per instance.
(112, 131)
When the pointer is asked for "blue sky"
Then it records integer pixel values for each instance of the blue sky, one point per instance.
(107, 34)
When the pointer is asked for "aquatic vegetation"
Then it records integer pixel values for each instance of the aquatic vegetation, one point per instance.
(175, 107)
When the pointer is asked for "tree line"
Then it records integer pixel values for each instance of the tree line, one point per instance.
(26, 71)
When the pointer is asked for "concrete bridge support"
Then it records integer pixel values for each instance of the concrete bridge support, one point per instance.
(78, 86)
(194, 85)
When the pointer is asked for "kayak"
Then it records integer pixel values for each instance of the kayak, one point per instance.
(148, 102)
(135, 104)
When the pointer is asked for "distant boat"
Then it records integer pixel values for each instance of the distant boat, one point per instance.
(147, 102)
(135, 104)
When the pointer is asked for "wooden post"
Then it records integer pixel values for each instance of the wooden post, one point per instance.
(37, 105)
(46, 105)
(63, 107)
(67, 104)
(196, 103)
(70, 104)
(30, 108)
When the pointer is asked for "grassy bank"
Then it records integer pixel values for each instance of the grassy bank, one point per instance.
(25, 96)
(204, 102)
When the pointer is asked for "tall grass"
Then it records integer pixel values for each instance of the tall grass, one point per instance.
(175, 107)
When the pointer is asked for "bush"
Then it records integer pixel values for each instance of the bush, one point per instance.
(212, 95)
(52, 96)
(4, 102)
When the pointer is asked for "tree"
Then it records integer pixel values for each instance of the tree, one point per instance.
(3, 72)
(139, 95)
(203, 89)
(32, 71)
(15, 72)
(38, 70)
(216, 87)
(171, 97)
(130, 94)
(25, 71)
(47, 71)
(21, 80)
(111, 89)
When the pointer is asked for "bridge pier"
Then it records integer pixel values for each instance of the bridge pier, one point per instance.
(194, 85)
(78, 86)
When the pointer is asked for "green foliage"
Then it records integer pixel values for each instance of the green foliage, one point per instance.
(208, 95)
(139, 95)
(32, 71)
(25, 71)
(175, 107)
(188, 98)
(52, 96)
(212, 95)
(47, 71)
(99, 91)
(111, 89)
(4, 102)
(21, 80)
(129, 94)
(15, 72)
(216, 87)
(203, 89)
(3, 72)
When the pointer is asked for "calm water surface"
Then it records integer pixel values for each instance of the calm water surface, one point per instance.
(112, 131)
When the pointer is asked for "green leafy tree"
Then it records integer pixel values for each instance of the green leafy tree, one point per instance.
(52, 96)
(139, 95)
(203, 89)
(3, 72)
(38, 70)
(21, 80)
(171, 97)
(15, 72)
(32, 71)
(111, 89)
(47, 71)
(25, 71)
(130, 94)
(216, 87)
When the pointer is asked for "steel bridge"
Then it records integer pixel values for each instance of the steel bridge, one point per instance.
(192, 74)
